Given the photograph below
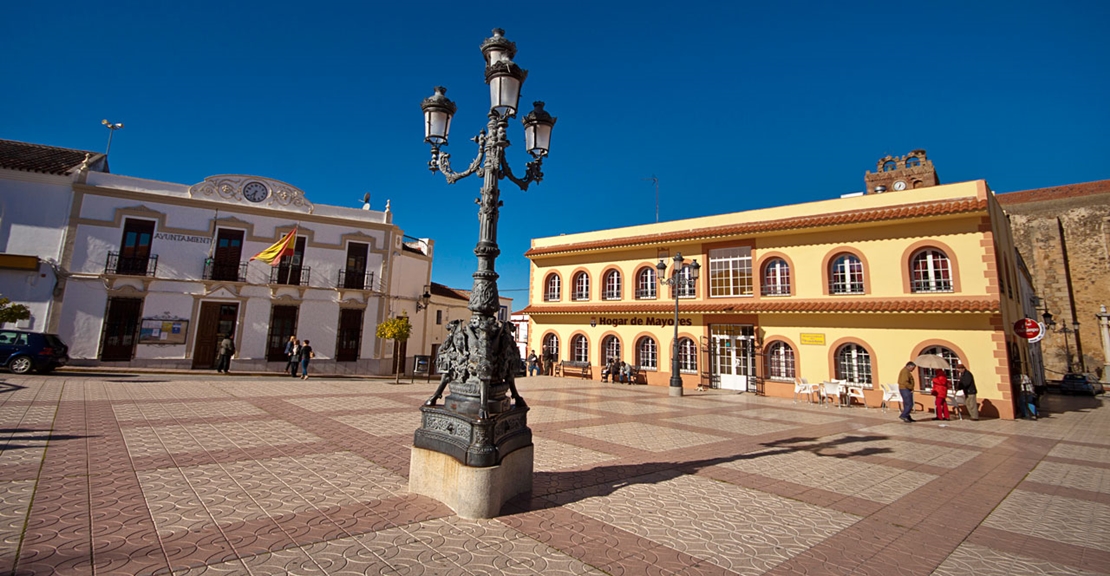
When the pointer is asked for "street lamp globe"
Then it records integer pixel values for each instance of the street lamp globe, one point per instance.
(537, 130)
(438, 110)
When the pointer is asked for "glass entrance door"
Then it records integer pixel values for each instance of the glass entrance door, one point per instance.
(732, 358)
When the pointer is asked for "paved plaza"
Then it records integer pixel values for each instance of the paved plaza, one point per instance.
(129, 473)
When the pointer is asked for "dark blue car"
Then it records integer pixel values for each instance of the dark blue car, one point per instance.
(1080, 384)
(22, 351)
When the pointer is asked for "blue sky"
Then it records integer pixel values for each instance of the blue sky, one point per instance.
(732, 106)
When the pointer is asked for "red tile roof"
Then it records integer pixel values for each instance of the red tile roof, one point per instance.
(900, 212)
(1054, 193)
(46, 159)
(828, 305)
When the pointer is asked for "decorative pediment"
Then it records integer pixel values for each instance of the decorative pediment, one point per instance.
(252, 191)
(221, 291)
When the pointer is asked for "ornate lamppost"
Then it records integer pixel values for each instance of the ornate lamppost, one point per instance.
(1051, 324)
(681, 277)
(478, 425)
(1104, 330)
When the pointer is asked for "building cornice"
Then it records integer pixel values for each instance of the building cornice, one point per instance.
(948, 207)
(975, 305)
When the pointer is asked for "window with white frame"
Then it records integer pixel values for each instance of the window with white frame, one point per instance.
(612, 285)
(580, 347)
(687, 356)
(551, 346)
(776, 278)
(647, 354)
(931, 271)
(730, 271)
(780, 361)
(645, 284)
(581, 286)
(552, 288)
(853, 363)
(686, 288)
(846, 275)
(610, 349)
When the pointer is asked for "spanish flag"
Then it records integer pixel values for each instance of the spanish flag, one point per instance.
(279, 249)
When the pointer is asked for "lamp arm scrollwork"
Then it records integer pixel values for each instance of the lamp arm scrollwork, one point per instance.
(532, 173)
(441, 161)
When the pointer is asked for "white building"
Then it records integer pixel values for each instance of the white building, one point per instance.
(133, 272)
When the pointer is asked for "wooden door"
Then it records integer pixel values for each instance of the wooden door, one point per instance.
(121, 329)
(283, 324)
(229, 250)
(216, 318)
(350, 335)
(355, 272)
(134, 247)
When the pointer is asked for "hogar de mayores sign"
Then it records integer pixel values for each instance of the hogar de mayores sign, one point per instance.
(643, 321)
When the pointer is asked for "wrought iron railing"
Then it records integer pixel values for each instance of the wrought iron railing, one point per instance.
(646, 294)
(131, 266)
(226, 271)
(355, 279)
(291, 275)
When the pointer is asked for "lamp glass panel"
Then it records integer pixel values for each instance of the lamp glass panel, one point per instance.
(504, 92)
(540, 140)
(494, 56)
(437, 123)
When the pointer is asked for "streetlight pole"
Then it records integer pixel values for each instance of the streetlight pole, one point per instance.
(477, 425)
(679, 279)
(1065, 331)
(111, 130)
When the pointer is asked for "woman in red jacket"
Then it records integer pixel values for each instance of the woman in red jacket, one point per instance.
(940, 390)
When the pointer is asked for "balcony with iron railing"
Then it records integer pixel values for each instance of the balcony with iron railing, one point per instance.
(646, 294)
(131, 266)
(225, 271)
(290, 275)
(355, 279)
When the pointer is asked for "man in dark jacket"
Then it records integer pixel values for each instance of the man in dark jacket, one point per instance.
(223, 354)
(967, 384)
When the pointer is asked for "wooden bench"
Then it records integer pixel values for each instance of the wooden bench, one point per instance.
(575, 368)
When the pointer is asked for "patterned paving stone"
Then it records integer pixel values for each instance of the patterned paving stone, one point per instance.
(800, 416)
(737, 424)
(547, 415)
(830, 470)
(1073, 476)
(631, 408)
(645, 436)
(982, 561)
(741, 530)
(141, 411)
(384, 424)
(555, 455)
(909, 451)
(1056, 518)
(927, 430)
(1078, 452)
(173, 439)
(348, 403)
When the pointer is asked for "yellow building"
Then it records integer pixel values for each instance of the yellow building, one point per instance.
(850, 288)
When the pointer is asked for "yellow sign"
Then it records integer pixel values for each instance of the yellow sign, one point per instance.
(813, 339)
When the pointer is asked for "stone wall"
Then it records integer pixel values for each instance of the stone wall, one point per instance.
(1063, 234)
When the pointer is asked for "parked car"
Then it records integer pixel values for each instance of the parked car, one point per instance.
(22, 351)
(1075, 383)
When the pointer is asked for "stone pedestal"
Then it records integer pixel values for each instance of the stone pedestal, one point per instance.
(470, 491)
(675, 390)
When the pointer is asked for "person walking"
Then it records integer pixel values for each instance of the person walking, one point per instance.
(966, 383)
(905, 388)
(940, 390)
(223, 353)
(306, 356)
(533, 366)
(290, 355)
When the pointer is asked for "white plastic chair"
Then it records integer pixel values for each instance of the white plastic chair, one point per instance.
(829, 391)
(857, 393)
(801, 386)
(890, 394)
(955, 400)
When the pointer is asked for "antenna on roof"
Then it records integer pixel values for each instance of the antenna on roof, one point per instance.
(366, 201)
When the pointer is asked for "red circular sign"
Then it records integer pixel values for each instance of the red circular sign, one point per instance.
(1027, 328)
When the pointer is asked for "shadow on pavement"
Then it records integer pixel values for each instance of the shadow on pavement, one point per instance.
(616, 477)
(17, 440)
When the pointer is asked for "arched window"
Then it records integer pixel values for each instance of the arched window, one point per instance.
(612, 286)
(580, 348)
(913, 161)
(647, 354)
(930, 271)
(610, 349)
(687, 356)
(853, 363)
(645, 284)
(780, 361)
(551, 347)
(846, 275)
(889, 166)
(776, 278)
(925, 381)
(581, 286)
(552, 288)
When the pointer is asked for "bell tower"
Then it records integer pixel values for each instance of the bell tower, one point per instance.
(898, 173)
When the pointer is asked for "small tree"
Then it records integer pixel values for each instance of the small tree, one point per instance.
(12, 312)
(396, 329)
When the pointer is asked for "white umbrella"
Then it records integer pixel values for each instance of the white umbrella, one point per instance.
(932, 361)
